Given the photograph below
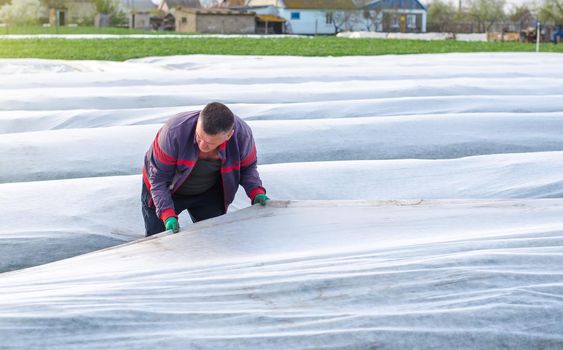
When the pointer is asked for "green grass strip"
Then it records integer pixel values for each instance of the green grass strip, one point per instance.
(127, 48)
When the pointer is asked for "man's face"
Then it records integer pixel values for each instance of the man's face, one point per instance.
(208, 143)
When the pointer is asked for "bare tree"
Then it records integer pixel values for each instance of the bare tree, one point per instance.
(371, 19)
(521, 15)
(486, 13)
(441, 16)
(343, 20)
(370, 16)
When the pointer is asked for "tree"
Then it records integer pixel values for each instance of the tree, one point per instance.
(344, 20)
(20, 12)
(113, 8)
(368, 17)
(105, 6)
(522, 15)
(371, 19)
(486, 13)
(441, 16)
(551, 12)
(54, 3)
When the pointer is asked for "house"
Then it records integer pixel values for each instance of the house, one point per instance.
(214, 20)
(80, 11)
(72, 12)
(311, 16)
(267, 22)
(169, 6)
(139, 13)
(58, 16)
(405, 16)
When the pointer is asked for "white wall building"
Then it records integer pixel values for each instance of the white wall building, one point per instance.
(310, 16)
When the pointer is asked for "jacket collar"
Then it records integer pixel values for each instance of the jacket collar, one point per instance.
(222, 150)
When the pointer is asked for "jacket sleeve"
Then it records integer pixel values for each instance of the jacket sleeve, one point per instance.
(161, 170)
(249, 177)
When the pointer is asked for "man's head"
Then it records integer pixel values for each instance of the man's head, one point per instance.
(214, 126)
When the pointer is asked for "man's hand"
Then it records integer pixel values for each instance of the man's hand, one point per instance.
(260, 198)
(172, 224)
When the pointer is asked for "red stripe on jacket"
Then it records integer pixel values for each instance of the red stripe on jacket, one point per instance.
(230, 168)
(255, 192)
(166, 159)
(246, 161)
(189, 163)
(167, 213)
(250, 158)
(146, 179)
(160, 154)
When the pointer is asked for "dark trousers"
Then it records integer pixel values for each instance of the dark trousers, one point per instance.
(200, 207)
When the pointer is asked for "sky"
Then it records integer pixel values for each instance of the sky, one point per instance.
(415, 199)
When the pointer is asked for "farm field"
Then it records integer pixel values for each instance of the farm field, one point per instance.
(416, 202)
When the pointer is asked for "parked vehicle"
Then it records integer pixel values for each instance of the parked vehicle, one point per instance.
(530, 35)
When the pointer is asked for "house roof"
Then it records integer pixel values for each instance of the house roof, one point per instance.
(395, 5)
(271, 18)
(138, 5)
(230, 3)
(182, 3)
(214, 11)
(320, 4)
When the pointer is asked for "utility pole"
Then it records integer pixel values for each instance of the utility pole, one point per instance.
(133, 12)
(538, 37)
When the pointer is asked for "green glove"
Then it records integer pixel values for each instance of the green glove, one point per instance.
(172, 224)
(260, 198)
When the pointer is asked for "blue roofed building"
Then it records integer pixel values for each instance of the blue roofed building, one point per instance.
(405, 16)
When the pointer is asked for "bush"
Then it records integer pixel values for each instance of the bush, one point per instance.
(20, 12)
(119, 19)
(87, 21)
(105, 6)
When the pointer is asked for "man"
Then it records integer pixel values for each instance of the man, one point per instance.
(196, 163)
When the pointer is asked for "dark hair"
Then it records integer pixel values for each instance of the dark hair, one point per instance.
(216, 118)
